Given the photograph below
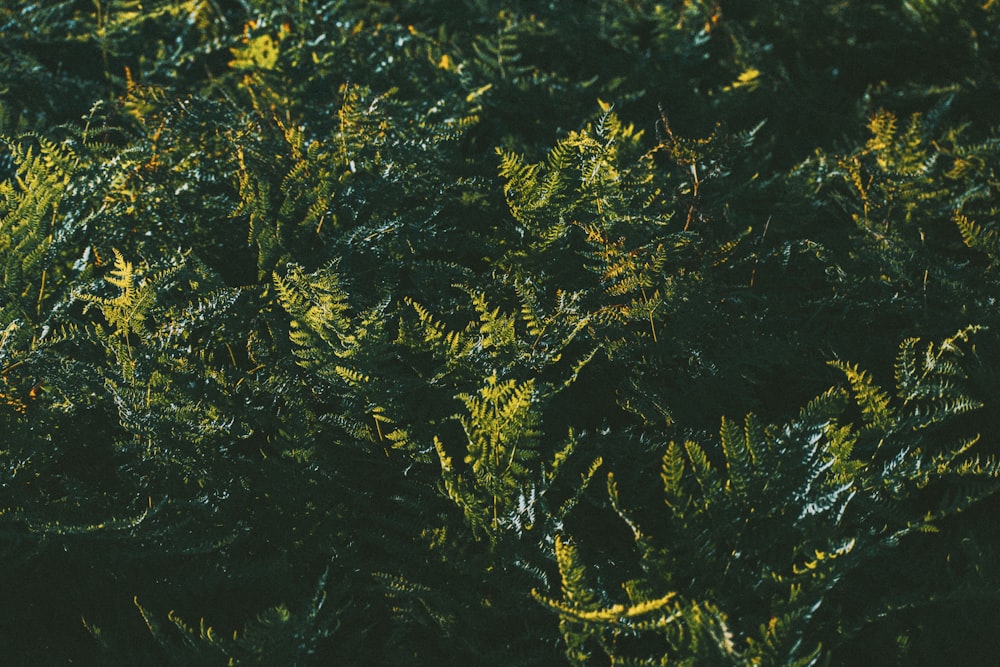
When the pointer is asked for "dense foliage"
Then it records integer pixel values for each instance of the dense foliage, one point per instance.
(499, 333)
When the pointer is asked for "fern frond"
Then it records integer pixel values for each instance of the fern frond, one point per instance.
(127, 312)
(738, 450)
(672, 474)
(874, 403)
(701, 468)
(976, 237)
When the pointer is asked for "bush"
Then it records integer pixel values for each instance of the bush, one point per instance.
(402, 333)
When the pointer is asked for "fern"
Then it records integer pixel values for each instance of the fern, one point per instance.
(277, 631)
(126, 312)
(535, 339)
(589, 624)
(798, 501)
(976, 237)
(874, 403)
(28, 213)
(500, 452)
(320, 319)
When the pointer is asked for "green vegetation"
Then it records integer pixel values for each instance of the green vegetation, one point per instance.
(500, 333)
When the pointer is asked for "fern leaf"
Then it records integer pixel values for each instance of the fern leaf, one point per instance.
(739, 458)
(874, 403)
(672, 474)
(704, 473)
